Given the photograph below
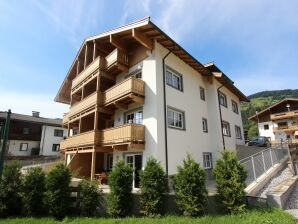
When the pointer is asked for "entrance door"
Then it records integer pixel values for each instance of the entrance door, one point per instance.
(135, 162)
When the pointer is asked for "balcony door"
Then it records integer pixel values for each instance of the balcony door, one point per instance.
(135, 162)
(134, 117)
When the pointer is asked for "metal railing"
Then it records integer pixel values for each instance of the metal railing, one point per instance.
(259, 163)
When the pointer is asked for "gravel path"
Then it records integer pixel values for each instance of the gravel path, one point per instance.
(281, 176)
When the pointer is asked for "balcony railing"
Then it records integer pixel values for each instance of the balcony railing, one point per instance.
(84, 139)
(116, 58)
(98, 63)
(84, 104)
(124, 90)
(128, 133)
(286, 128)
(284, 115)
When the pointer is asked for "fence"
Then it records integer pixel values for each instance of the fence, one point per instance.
(259, 163)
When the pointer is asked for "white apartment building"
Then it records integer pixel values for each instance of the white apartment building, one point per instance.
(159, 101)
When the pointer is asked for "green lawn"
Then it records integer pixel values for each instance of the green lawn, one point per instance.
(253, 217)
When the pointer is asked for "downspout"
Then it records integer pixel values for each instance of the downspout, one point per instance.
(165, 109)
(220, 116)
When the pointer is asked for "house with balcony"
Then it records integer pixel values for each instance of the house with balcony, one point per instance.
(279, 121)
(134, 92)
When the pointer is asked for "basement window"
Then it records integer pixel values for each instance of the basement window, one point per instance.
(207, 159)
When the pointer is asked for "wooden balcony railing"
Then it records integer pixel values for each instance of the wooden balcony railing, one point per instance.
(128, 133)
(116, 58)
(65, 119)
(284, 115)
(286, 128)
(124, 90)
(84, 104)
(84, 139)
(98, 63)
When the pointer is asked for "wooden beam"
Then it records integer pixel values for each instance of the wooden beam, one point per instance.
(122, 67)
(86, 52)
(137, 146)
(121, 105)
(94, 50)
(118, 43)
(142, 39)
(103, 149)
(107, 76)
(93, 164)
(120, 147)
(138, 99)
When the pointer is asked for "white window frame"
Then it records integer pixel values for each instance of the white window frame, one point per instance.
(235, 107)
(134, 112)
(57, 148)
(207, 160)
(22, 148)
(57, 131)
(205, 127)
(238, 132)
(170, 73)
(223, 96)
(226, 130)
(202, 93)
(176, 114)
(109, 164)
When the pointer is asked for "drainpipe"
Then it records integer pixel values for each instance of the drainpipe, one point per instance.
(165, 108)
(220, 115)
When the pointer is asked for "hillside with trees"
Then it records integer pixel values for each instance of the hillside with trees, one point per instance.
(260, 101)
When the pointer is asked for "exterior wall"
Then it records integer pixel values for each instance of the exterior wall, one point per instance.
(48, 139)
(14, 147)
(267, 133)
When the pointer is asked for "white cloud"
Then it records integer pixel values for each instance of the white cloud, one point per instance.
(26, 103)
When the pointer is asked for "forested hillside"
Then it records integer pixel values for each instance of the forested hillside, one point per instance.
(258, 102)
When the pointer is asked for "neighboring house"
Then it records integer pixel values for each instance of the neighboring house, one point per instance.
(33, 135)
(279, 121)
(119, 108)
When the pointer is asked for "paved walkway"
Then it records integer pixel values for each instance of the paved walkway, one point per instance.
(293, 212)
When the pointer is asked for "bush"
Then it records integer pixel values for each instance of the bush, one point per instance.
(230, 178)
(33, 192)
(10, 190)
(58, 191)
(153, 188)
(190, 188)
(120, 182)
(89, 197)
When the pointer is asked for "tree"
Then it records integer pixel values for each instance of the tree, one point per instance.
(120, 182)
(230, 178)
(153, 188)
(10, 190)
(33, 192)
(58, 191)
(190, 188)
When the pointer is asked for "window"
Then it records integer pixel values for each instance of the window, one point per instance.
(23, 146)
(207, 159)
(109, 162)
(26, 131)
(222, 99)
(235, 107)
(135, 117)
(202, 93)
(174, 79)
(266, 126)
(58, 133)
(175, 119)
(226, 129)
(282, 125)
(137, 74)
(238, 132)
(55, 148)
(205, 125)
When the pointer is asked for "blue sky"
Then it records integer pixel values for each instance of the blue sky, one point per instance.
(254, 42)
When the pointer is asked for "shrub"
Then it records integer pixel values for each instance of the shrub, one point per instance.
(190, 188)
(120, 182)
(230, 178)
(89, 197)
(58, 191)
(153, 188)
(10, 190)
(33, 192)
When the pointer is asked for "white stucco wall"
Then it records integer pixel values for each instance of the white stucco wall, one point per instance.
(48, 139)
(14, 147)
(267, 133)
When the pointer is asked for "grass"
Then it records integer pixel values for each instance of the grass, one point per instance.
(251, 217)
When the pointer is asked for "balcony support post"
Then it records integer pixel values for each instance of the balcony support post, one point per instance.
(94, 50)
(86, 52)
(93, 159)
(78, 66)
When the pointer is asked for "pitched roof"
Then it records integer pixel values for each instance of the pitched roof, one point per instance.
(147, 28)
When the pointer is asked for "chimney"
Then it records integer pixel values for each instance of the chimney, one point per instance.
(35, 114)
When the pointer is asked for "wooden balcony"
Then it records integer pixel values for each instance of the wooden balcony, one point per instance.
(65, 119)
(87, 103)
(131, 90)
(85, 139)
(284, 115)
(116, 62)
(123, 134)
(286, 128)
(88, 72)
